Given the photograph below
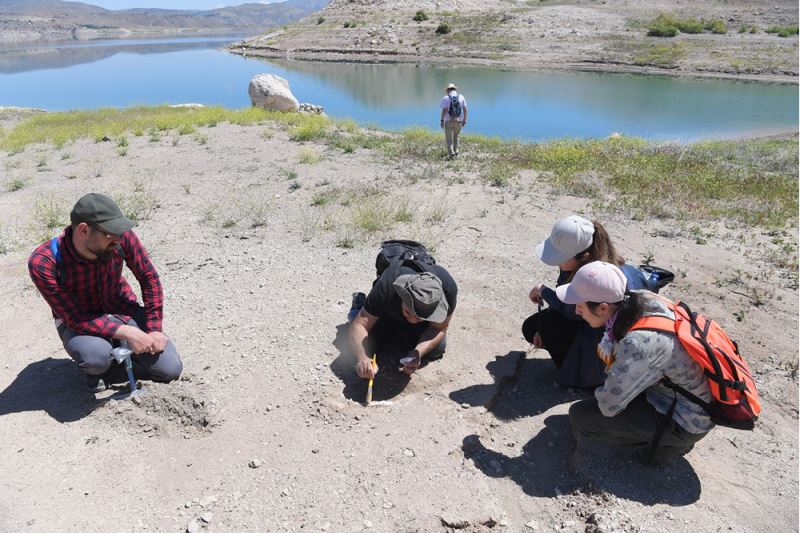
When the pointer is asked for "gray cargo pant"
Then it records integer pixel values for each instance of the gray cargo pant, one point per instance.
(93, 355)
(636, 426)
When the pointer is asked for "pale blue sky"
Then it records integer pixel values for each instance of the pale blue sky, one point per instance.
(172, 4)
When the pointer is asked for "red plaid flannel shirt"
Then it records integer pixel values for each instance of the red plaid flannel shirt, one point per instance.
(92, 290)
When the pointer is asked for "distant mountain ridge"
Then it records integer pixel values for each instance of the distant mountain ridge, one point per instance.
(25, 20)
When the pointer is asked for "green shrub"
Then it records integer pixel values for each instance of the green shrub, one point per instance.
(716, 26)
(310, 127)
(783, 31)
(691, 26)
(443, 28)
(16, 184)
(320, 20)
(420, 16)
(308, 156)
(49, 216)
(663, 26)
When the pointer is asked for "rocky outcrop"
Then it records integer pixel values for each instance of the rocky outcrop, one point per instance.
(312, 109)
(272, 92)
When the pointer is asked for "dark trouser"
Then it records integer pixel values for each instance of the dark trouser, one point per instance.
(636, 426)
(403, 337)
(93, 355)
(557, 333)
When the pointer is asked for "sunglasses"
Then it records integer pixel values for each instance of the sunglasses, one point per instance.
(99, 230)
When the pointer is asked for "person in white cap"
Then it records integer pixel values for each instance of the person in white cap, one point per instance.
(573, 242)
(633, 407)
(452, 118)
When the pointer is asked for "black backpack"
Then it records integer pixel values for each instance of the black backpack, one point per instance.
(455, 107)
(411, 253)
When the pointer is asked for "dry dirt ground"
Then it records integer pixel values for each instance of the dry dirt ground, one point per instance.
(609, 35)
(266, 430)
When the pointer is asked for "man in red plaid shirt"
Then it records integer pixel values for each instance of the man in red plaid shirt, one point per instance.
(79, 274)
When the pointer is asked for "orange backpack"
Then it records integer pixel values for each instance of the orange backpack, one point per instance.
(735, 401)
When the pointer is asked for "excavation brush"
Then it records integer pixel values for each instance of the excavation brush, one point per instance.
(371, 382)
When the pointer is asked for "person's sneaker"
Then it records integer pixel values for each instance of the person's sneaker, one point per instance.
(95, 384)
(359, 298)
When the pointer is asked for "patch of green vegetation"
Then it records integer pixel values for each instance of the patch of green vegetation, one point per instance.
(690, 25)
(49, 215)
(308, 156)
(320, 20)
(16, 184)
(373, 214)
(663, 26)
(4, 246)
(783, 31)
(350, 24)
(139, 204)
(716, 26)
(486, 34)
(443, 28)
(420, 16)
(106, 124)
(751, 182)
(666, 25)
(498, 174)
(660, 55)
(310, 127)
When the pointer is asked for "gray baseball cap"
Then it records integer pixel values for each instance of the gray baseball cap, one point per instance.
(100, 211)
(423, 295)
(570, 236)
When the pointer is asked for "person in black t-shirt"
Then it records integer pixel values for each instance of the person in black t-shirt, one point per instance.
(405, 305)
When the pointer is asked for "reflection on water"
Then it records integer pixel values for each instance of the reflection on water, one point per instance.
(62, 55)
(527, 105)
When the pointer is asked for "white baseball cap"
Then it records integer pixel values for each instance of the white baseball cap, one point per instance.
(594, 282)
(569, 237)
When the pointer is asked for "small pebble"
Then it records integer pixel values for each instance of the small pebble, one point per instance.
(254, 463)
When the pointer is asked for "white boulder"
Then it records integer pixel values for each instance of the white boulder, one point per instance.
(272, 92)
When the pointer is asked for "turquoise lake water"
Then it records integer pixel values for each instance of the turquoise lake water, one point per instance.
(524, 105)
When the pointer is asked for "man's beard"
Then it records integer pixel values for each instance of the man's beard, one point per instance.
(104, 253)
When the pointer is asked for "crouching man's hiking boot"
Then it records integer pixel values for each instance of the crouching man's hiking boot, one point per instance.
(359, 298)
(96, 383)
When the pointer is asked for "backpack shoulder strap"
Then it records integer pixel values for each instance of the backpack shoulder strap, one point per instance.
(56, 250)
(414, 264)
(654, 323)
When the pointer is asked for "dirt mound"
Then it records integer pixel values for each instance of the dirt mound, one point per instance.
(163, 410)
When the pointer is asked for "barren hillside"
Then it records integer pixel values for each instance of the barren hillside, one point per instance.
(611, 35)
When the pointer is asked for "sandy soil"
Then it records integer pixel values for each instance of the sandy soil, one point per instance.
(576, 34)
(266, 431)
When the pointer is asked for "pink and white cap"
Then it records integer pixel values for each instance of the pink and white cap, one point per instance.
(594, 282)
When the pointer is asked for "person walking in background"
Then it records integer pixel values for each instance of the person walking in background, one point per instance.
(79, 274)
(453, 117)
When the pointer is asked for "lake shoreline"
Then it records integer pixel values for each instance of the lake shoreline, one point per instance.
(388, 57)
